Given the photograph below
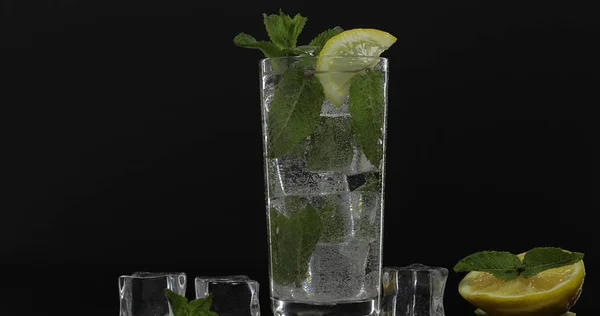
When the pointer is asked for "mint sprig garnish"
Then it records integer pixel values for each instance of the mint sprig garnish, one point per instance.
(181, 307)
(247, 41)
(294, 111)
(319, 41)
(508, 266)
(366, 105)
(283, 32)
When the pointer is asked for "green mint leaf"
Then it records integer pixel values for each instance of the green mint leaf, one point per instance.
(305, 50)
(296, 28)
(178, 303)
(294, 111)
(539, 259)
(293, 240)
(247, 41)
(283, 30)
(331, 145)
(323, 37)
(276, 30)
(503, 265)
(200, 304)
(366, 105)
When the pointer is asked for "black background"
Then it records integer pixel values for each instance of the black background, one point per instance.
(133, 138)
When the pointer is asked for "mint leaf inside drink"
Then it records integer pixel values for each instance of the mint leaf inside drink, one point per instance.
(331, 145)
(367, 105)
(247, 41)
(503, 265)
(293, 240)
(294, 111)
(543, 258)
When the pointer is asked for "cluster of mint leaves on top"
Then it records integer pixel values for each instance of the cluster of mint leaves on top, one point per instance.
(197, 307)
(295, 108)
(507, 266)
(283, 32)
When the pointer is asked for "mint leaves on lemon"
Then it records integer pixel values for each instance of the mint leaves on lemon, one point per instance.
(507, 266)
(181, 306)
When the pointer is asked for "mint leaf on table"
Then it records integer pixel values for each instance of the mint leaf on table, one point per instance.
(247, 41)
(178, 303)
(507, 266)
(294, 111)
(323, 37)
(283, 30)
(366, 105)
(201, 305)
(331, 145)
(181, 307)
(543, 258)
(503, 265)
(293, 240)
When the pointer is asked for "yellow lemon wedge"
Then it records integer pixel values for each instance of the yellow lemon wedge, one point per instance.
(549, 293)
(346, 54)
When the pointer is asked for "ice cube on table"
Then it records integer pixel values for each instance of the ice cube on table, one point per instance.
(414, 290)
(231, 295)
(143, 293)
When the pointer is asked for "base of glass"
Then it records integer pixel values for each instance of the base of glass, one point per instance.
(360, 308)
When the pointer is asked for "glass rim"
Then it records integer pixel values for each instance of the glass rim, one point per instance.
(267, 59)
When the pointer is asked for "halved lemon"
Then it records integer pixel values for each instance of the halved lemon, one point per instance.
(346, 54)
(549, 293)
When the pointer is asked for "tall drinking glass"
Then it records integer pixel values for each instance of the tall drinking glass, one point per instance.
(324, 136)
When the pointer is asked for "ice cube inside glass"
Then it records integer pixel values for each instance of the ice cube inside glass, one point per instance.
(414, 290)
(143, 293)
(231, 295)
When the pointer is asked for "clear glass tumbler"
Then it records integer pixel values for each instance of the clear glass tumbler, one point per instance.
(324, 136)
